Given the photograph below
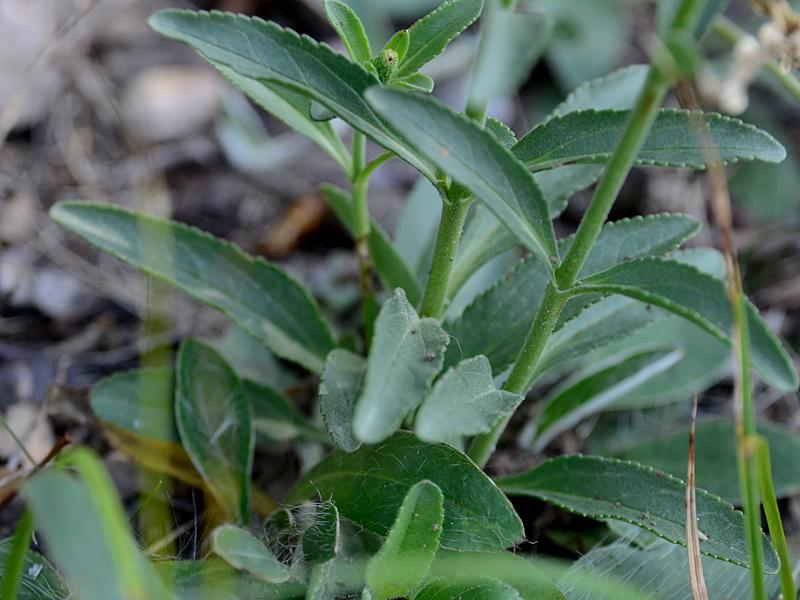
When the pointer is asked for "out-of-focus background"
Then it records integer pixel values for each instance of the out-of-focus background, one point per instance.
(94, 105)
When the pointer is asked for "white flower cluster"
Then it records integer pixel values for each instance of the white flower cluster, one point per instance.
(778, 39)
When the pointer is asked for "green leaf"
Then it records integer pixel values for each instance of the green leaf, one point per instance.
(368, 487)
(216, 425)
(261, 51)
(593, 390)
(464, 402)
(560, 184)
(604, 488)
(258, 296)
(339, 389)
(615, 91)
(429, 36)
(349, 27)
(392, 268)
(240, 549)
(321, 541)
(705, 360)
(475, 588)
(411, 544)
(497, 322)
(319, 112)
(700, 298)
(406, 354)
(525, 576)
(399, 43)
(512, 41)
(660, 572)
(207, 579)
(715, 455)
(502, 132)
(415, 83)
(591, 136)
(474, 158)
(276, 418)
(294, 109)
(39, 580)
(140, 401)
(86, 533)
(416, 228)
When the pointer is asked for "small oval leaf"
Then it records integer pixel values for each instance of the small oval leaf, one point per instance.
(243, 551)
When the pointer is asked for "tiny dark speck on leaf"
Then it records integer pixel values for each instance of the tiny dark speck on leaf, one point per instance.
(429, 356)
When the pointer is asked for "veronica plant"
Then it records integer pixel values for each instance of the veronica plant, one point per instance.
(615, 316)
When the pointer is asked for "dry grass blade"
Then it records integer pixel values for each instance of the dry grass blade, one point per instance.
(696, 579)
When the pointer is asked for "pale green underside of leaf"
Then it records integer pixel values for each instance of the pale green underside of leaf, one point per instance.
(294, 109)
(595, 389)
(474, 158)
(215, 423)
(339, 389)
(604, 488)
(406, 354)
(464, 402)
(616, 91)
(512, 41)
(684, 290)
(591, 136)
(715, 448)
(413, 540)
(368, 487)
(240, 549)
(429, 36)
(262, 51)
(258, 296)
(497, 322)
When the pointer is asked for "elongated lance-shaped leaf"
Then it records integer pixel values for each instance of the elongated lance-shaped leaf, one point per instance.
(604, 488)
(368, 487)
(216, 426)
(474, 588)
(349, 27)
(339, 389)
(474, 158)
(591, 136)
(464, 402)
(684, 290)
(242, 550)
(413, 540)
(497, 322)
(429, 36)
(258, 296)
(262, 51)
(615, 91)
(406, 354)
(716, 456)
(591, 391)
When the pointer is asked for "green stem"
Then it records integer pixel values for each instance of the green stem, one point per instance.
(543, 325)
(451, 227)
(774, 519)
(638, 127)
(15, 561)
(359, 180)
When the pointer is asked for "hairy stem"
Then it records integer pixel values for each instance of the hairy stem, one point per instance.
(451, 226)
(359, 183)
(638, 127)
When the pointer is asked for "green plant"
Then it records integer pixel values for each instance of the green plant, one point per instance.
(397, 509)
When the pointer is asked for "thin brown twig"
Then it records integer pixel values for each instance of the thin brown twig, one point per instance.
(61, 443)
(696, 579)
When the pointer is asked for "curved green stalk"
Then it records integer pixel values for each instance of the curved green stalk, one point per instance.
(15, 562)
